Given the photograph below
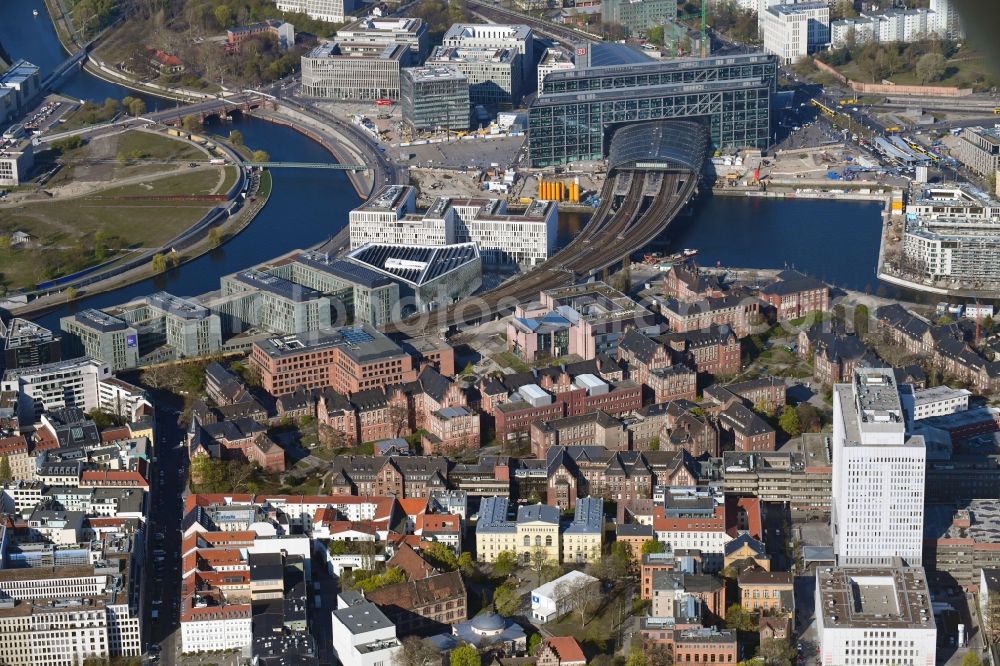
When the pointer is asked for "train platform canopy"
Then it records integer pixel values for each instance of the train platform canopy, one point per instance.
(604, 54)
(659, 145)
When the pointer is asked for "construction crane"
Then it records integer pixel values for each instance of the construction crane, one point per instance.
(670, 41)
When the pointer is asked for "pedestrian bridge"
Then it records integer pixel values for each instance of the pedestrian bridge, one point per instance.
(658, 145)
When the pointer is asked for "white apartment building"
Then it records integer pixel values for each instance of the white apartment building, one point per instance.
(361, 635)
(875, 617)
(553, 60)
(878, 474)
(223, 629)
(332, 11)
(899, 25)
(389, 217)
(937, 401)
(794, 31)
(70, 383)
(517, 38)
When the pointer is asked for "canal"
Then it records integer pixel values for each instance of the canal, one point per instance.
(306, 206)
(833, 240)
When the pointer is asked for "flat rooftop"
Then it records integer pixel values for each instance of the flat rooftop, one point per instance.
(176, 305)
(345, 270)
(433, 73)
(978, 520)
(278, 286)
(875, 598)
(390, 197)
(362, 343)
(461, 31)
(100, 321)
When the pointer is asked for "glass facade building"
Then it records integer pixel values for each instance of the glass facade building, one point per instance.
(435, 97)
(581, 108)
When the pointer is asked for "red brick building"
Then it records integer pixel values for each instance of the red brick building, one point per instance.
(239, 439)
(686, 283)
(450, 430)
(715, 351)
(748, 431)
(676, 382)
(795, 295)
(737, 311)
(347, 360)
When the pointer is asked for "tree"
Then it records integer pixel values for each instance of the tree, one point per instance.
(260, 156)
(416, 652)
(6, 473)
(930, 67)
(224, 16)
(658, 654)
(654, 444)
(505, 563)
(391, 576)
(214, 237)
(191, 123)
(655, 35)
(809, 417)
(971, 659)
(399, 417)
(71, 293)
(636, 658)
(440, 555)
(159, 263)
(466, 564)
(466, 655)
(537, 560)
(236, 138)
(506, 600)
(134, 106)
(789, 421)
(652, 547)
(776, 652)
(861, 320)
(534, 641)
(738, 619)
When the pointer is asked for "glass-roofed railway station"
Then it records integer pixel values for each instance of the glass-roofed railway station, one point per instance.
(582, 108)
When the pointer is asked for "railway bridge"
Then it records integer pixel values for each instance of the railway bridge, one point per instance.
(653, 171)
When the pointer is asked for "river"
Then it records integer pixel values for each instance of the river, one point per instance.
(306, 205)
(833, 240)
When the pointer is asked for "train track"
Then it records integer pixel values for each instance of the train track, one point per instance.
(620, 226)
(566, 36)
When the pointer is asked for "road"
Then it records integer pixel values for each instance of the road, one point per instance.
(168, 478)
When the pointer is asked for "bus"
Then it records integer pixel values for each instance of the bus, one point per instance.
(383, 102)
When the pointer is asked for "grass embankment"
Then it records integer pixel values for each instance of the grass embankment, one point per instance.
(97, 224)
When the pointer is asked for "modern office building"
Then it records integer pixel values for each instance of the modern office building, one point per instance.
(332, 11)
(70, 383)
(435, 97)
(388, 218)
(24, 82)
(494, 74)
(554, 59)
(637, 16)
(429, 276)
(102, 336)
(517, 38)
(979, 149)
(365, 295)
(348, 360)
(27, 344)
(64, 615)
(878, 474)
(17, 157)
(870, 616)
(252, 298)
(376, 31)
(796, 30)
(356, 72)
(171, 326)
(573, 120)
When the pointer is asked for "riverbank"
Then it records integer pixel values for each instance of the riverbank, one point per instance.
(227, 231)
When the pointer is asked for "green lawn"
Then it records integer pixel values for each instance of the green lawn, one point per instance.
(157, 146)
(194, 182)
(231, 175)
(964, 71)
(508, 360)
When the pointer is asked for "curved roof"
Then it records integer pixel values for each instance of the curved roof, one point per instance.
(488, 622)
(659, 145)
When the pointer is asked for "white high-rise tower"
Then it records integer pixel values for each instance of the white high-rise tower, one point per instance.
(878, 474)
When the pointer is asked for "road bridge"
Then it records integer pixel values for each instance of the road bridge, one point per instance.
(654, 169)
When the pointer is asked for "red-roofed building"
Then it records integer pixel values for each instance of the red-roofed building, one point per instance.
(115, 434)
(743, 514)
(561, 651)
(112, 479)
(413, 565)
(443, 528)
